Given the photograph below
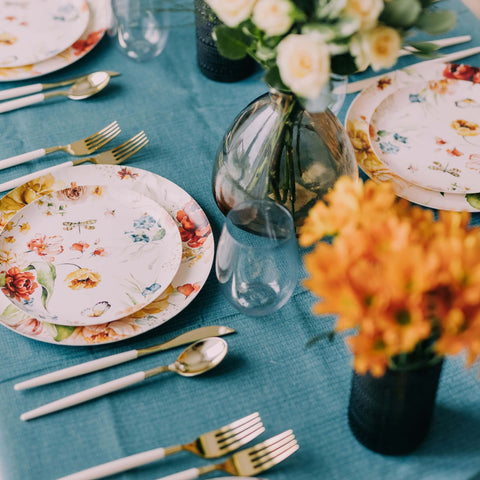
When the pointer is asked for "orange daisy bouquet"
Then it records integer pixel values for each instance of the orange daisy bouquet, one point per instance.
(404, 285)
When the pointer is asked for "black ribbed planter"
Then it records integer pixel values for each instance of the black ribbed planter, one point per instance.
(391, 415)
(210, 62)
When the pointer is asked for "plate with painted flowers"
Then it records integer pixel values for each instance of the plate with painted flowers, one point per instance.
(88, 254)
(433, 138)
(195, 266)
(98, 21)
(33, 30)
(361, 128)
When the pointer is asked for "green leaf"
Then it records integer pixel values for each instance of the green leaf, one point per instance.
(2, 279)
(383, 133)
(232, 43)
(473, 199)
(46, 274)
(437, 22)
(401, 13)
(63, 332)
(424, 47)
(272, 78)
(159, 234)
(330, 9)
(343, 64)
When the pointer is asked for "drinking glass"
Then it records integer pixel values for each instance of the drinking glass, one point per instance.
(257, 261)
(140, 28)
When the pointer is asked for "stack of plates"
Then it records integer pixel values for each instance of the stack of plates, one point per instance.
(42, 36)
(421, 131)
(89, 263)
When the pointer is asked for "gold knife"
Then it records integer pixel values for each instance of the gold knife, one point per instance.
(105, 362)
(40, 87)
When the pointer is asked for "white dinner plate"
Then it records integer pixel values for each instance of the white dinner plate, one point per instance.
(33, 30)
(361, 131)
(88, 254)
(195, 266)
(98, 22)
(430, 135)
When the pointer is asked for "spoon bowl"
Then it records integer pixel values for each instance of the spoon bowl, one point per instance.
(84, 87)
(200, 357)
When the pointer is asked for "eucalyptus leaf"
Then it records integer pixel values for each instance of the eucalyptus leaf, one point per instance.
(424, 47)
(159, 234)
(232, 43)
(401, 13)
(330, 9)
(437, 22)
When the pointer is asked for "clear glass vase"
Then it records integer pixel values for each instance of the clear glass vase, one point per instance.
(275, 149)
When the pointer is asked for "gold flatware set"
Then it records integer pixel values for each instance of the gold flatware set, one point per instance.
(214, 444)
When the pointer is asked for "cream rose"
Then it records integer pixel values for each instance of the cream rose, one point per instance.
(274, 17)
(383, 45)
(304, 64)
(232, 12)
(365, 11)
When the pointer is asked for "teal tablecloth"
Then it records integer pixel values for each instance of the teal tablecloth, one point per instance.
(268, 369)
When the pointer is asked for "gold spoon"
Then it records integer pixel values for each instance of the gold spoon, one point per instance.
(196, 359)
(83, 88)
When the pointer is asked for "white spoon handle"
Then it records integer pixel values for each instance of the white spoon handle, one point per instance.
(24, 157)
(189, 474)
(26, 178)
(20, 91)
(21, 102)
(84, 396)
(117, 466)
(78, 370)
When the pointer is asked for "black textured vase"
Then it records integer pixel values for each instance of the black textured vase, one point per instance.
(391, 415)
(210, 62)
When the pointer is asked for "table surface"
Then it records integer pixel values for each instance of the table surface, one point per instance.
(268, 369)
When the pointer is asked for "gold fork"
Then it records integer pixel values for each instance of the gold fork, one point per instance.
(208, 445)
(111, 157)
(248, 462)
(86, 146)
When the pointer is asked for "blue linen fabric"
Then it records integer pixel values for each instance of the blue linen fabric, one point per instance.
(268, 369)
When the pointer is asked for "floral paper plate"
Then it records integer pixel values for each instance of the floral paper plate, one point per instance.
(98, 22)
(195, 266)
(88, 254)
(33, 30)
(433, 139)
(362, 133)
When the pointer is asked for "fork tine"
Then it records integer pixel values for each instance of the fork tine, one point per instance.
(288, 434)
(103, 131)
(242, 439)
(128, 143)
(238, 426)
(278, 457)
(103, 139)
(127, 148)
(238, 423)
(127, 154)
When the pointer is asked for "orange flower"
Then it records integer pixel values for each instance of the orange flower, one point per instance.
(82, 278)
(393, 275)
(19, 285)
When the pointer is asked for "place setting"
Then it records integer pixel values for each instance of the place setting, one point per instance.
(313, 314)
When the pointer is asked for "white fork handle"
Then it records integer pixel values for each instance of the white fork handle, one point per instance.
(21, 102)
(117, 466)
(84, 396)
(189, 474)
(26, 178)
(20, 91)
(24, 157)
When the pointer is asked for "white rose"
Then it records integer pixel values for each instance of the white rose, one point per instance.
(383, 45)
(365, 11)
(274, 17)
(232, 12)
(304, 64)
